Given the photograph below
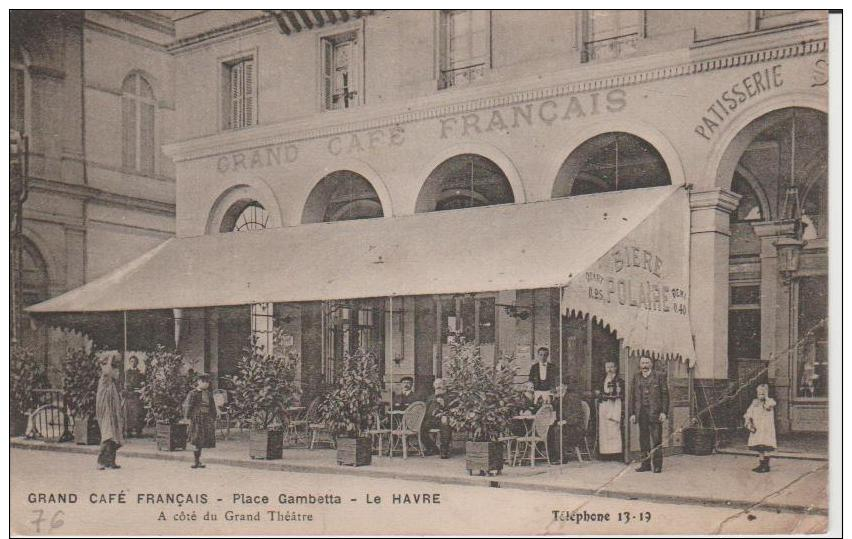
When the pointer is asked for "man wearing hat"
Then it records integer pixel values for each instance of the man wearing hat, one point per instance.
(201, 414)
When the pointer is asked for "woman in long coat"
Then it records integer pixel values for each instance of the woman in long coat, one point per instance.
(109, 412)
(201, 413)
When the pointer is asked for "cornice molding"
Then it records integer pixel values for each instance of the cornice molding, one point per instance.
(87, 193)
(119, 34)
(248, 24)
(300, 131)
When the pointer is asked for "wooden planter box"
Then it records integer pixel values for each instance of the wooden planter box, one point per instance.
(171, 437)
(17, 424)
(698, 441)
(266, 444)
(484, 457)
(354, 451)
(86, 431)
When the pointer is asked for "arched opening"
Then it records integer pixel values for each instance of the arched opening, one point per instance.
(781, 175)
(342, 196)
(35, 287)
(464, 181)
(611, 162)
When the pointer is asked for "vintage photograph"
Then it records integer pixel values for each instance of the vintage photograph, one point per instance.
(420, 272)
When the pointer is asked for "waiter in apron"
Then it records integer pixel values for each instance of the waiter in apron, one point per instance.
(610, 409)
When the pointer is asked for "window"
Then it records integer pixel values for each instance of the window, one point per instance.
(137, 110)
(241, 93)
(611, 162)
(611, 33)
(812, 344)
(744, 322)
(341, 71)
(776, 18)
(465, 46)
(473, 318)
(18, 92)
(342, 195)
(351, 326)
(464, 181)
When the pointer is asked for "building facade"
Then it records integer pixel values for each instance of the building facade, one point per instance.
(93, 93)
(301, 119)
(293, 117)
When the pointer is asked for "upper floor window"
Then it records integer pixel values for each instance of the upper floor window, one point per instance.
(137, 111)
(240, 93)
(464, 181)
(776, 18)
(18, 91)
(611, 33)
(341, 71)
(465, 46)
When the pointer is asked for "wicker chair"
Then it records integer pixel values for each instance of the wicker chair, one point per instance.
(412, 421)
(319, 432)
(531, 444)
(378, 432)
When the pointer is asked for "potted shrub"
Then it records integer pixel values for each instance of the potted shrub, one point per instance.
(163, 391)
(481, 402)
(25, 375)
(348, 409)
(80, 373)
(263, 387)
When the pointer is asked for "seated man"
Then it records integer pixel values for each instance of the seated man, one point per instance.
(406, 395)
(436, 418)
(570, 421)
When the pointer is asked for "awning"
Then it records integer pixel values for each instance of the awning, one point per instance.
(640, 286)
(507, 247)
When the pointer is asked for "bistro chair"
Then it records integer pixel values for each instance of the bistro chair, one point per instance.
(533, 442)
(412, 420)
(320, 434)
(223, 416)
(378, 432)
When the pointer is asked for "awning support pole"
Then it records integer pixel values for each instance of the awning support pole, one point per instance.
(561, 380)
(390, 385)
(626, 407)
(124, 353)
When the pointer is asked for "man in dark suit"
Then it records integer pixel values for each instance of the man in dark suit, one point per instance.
(543, 373)
(650, 406)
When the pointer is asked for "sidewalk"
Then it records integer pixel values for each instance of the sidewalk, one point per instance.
(798, 486)
(811, 446)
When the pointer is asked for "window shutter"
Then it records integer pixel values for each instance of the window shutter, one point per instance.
(327, 69)
(235, 96)
(249, 93)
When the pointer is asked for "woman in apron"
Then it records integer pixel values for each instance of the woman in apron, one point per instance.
(610, 408)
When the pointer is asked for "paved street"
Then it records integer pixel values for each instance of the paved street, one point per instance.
(459, 509)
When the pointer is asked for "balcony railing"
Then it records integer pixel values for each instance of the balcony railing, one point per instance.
(610, 47)
(460, 76)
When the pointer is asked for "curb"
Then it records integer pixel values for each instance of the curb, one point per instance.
(492, 481)
(781, 455)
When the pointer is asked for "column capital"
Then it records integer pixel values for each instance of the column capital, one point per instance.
(717, 199)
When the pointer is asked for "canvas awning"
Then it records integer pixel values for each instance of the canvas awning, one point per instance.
(507, 247)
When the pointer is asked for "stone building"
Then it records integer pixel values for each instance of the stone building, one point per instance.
(297, 120)
(93, 92)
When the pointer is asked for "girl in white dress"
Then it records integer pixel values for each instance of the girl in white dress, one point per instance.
(760, 422)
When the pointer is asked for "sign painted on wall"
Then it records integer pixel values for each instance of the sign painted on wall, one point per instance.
(283, 154)
(546, 113)
(749, 87)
